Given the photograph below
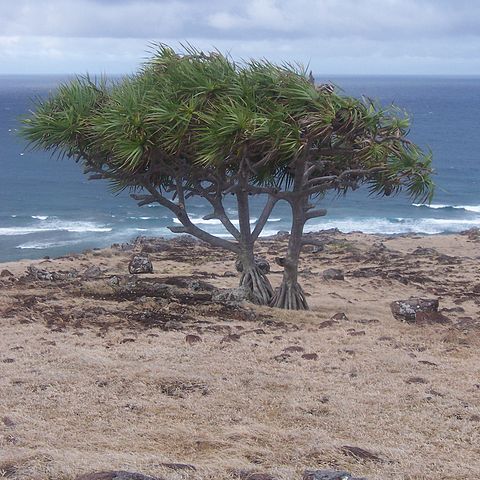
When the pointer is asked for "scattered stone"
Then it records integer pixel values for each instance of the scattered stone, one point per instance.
(425, 251)
(310, 356)
(426, 362)
(92, 272)
(233, 337)
(248, 475)
(360, 454)
(45, 275)
(280, 261)
(333, 274)
(418, 380)
(140, 264)
(127, 340)
(191, 339)
(231, 295)
(327, 323)
(6, 273)
(339, 316)
(8, 360)
(328, 475)
(116, 475)
(356, 333)
(178, 466)
(229, 274)
(294, 348)
(8, 422)
(407, 310)
(283, 357)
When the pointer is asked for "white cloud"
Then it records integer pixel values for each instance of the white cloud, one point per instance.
(345, 36)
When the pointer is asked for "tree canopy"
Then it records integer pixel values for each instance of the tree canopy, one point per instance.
(200, 124)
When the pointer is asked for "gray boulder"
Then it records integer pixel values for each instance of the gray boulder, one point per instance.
(140, 264)
(333, 274)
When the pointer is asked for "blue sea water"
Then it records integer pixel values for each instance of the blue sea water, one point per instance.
(48, 207)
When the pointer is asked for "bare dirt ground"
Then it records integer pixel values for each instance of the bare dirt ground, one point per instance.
(119, 372)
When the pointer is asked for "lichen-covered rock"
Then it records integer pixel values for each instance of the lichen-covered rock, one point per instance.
(413, 309)
(45, 275)
(93, 271)
(232, 295)
(140, 264)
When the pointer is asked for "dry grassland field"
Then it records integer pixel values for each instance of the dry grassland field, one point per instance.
(105, 371)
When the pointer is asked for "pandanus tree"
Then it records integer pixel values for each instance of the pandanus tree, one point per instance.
(200, 125)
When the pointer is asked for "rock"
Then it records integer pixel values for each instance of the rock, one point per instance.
(92, 272)
(407, 310)
(333, 274)
(360, 454)
(6, 273)
(140, 264)
(425, 251)
(8, 422)
(327, 475)
(327, 323)
(178, 466)
(261, 263)
(339, 316)
(248, 475)
(310, 356)
(294, 348)
(411, 380)
(191, 339)
(45, 275)
(280, 261)
(233, 337)
(231, 295)
(116, 475)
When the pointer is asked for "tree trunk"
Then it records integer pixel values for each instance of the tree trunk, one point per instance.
(253, 279)
(290, 295)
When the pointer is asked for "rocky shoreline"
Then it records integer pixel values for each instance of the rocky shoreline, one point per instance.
(142, 355)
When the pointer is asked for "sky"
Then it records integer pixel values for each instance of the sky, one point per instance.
(432, 37)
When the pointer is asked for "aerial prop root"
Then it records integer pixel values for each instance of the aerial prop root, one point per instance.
(289, 296)
(257, 283)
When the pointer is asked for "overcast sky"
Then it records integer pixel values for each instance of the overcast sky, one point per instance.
(332, 36)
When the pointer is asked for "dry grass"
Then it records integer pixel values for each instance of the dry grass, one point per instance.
(99, 392)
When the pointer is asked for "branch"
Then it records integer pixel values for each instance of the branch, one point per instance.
(321, 212)
(265, 215)
(143, 199)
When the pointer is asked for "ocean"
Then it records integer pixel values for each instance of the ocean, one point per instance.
(49, 208)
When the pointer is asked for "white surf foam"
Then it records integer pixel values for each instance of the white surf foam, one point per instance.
(439, 206)
(55, 225)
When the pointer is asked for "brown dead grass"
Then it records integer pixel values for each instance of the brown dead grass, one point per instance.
(88, 387)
